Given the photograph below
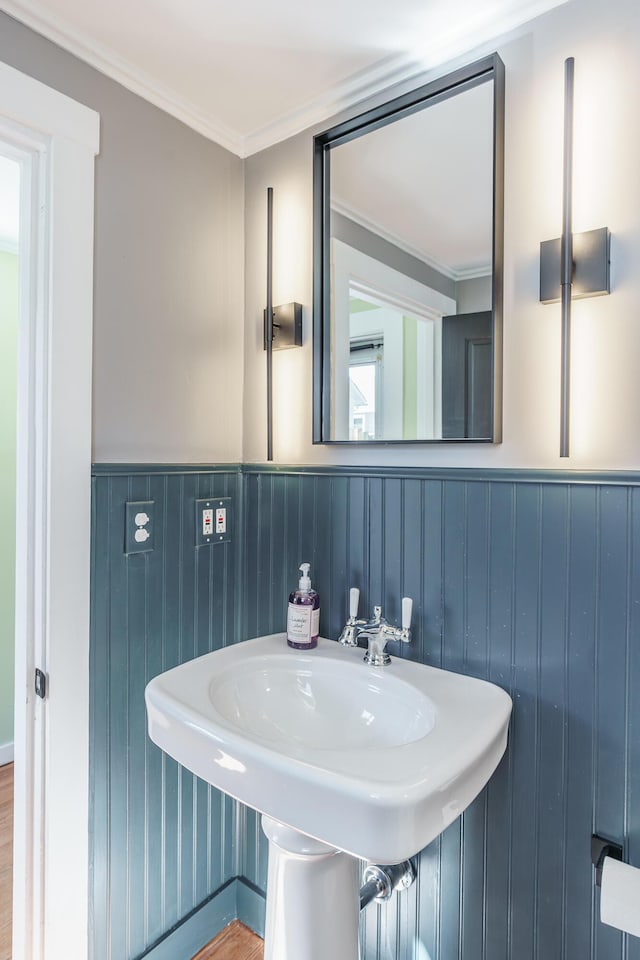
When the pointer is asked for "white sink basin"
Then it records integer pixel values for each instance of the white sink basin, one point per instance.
(375, 761)
(297, 702)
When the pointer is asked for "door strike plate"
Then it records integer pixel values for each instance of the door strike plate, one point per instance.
(41, 684)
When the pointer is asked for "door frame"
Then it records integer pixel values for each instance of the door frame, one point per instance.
(56, 140)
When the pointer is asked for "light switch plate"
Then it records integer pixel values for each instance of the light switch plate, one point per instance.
(138, 526)
(213, 521)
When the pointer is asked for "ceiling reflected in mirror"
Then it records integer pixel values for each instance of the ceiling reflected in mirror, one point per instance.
(449, 150)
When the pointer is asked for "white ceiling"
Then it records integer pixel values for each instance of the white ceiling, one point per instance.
(248, 73)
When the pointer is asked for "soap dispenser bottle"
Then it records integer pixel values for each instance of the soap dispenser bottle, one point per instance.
(303, 616)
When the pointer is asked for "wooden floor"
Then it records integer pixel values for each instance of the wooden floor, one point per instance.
(235, 942)
(6, 859)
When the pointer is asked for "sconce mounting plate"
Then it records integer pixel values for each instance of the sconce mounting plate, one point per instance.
(287, 326)
(591, 276)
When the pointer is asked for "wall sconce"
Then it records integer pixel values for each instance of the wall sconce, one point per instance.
(574, 265)
(282, 325)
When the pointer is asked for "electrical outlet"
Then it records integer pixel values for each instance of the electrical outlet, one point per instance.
(138, 526)
(213, 521)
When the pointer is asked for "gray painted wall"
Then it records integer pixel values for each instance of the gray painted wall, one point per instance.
(474, 294)
(169, 272)
(168, 328)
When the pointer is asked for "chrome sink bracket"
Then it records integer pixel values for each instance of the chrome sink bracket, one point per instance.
(381, 881)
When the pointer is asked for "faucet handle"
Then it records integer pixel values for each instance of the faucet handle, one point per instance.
(348, 636)
(407, 609)
(354, 600)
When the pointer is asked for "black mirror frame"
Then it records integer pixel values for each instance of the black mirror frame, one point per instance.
(489, 68)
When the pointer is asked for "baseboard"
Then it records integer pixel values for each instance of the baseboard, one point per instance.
(251, 906)
(237, 900)
(196, 930)
(6, 753)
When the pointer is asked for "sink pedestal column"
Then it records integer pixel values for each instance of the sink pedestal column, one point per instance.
(313, 898)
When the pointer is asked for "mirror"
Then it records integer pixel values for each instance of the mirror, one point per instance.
(408, 229)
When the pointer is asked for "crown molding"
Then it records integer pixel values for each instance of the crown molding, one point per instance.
(452, 273)
(474, 273)
(372, 226)
(39, 19)
(359, 86)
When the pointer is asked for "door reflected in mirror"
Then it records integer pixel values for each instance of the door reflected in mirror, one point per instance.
(407, 271)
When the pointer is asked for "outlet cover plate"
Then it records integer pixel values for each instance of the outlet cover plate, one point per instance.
(215, 535)
(134, 533)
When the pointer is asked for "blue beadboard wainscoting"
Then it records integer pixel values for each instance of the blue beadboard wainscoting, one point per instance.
(164, 856)
(529, 580)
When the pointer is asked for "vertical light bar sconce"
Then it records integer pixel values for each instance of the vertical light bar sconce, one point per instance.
(566, 259)
(574, 266)
(282, 325)
(268, 323)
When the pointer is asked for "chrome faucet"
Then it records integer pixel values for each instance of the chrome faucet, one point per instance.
(377, 631)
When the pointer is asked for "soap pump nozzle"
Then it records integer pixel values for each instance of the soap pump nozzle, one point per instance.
(305, 580)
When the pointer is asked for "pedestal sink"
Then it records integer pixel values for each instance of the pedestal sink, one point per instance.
(343, 760)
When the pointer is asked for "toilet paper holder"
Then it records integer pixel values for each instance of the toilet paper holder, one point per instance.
(601, 848)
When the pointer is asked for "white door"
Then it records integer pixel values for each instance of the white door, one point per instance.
(55, 140)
